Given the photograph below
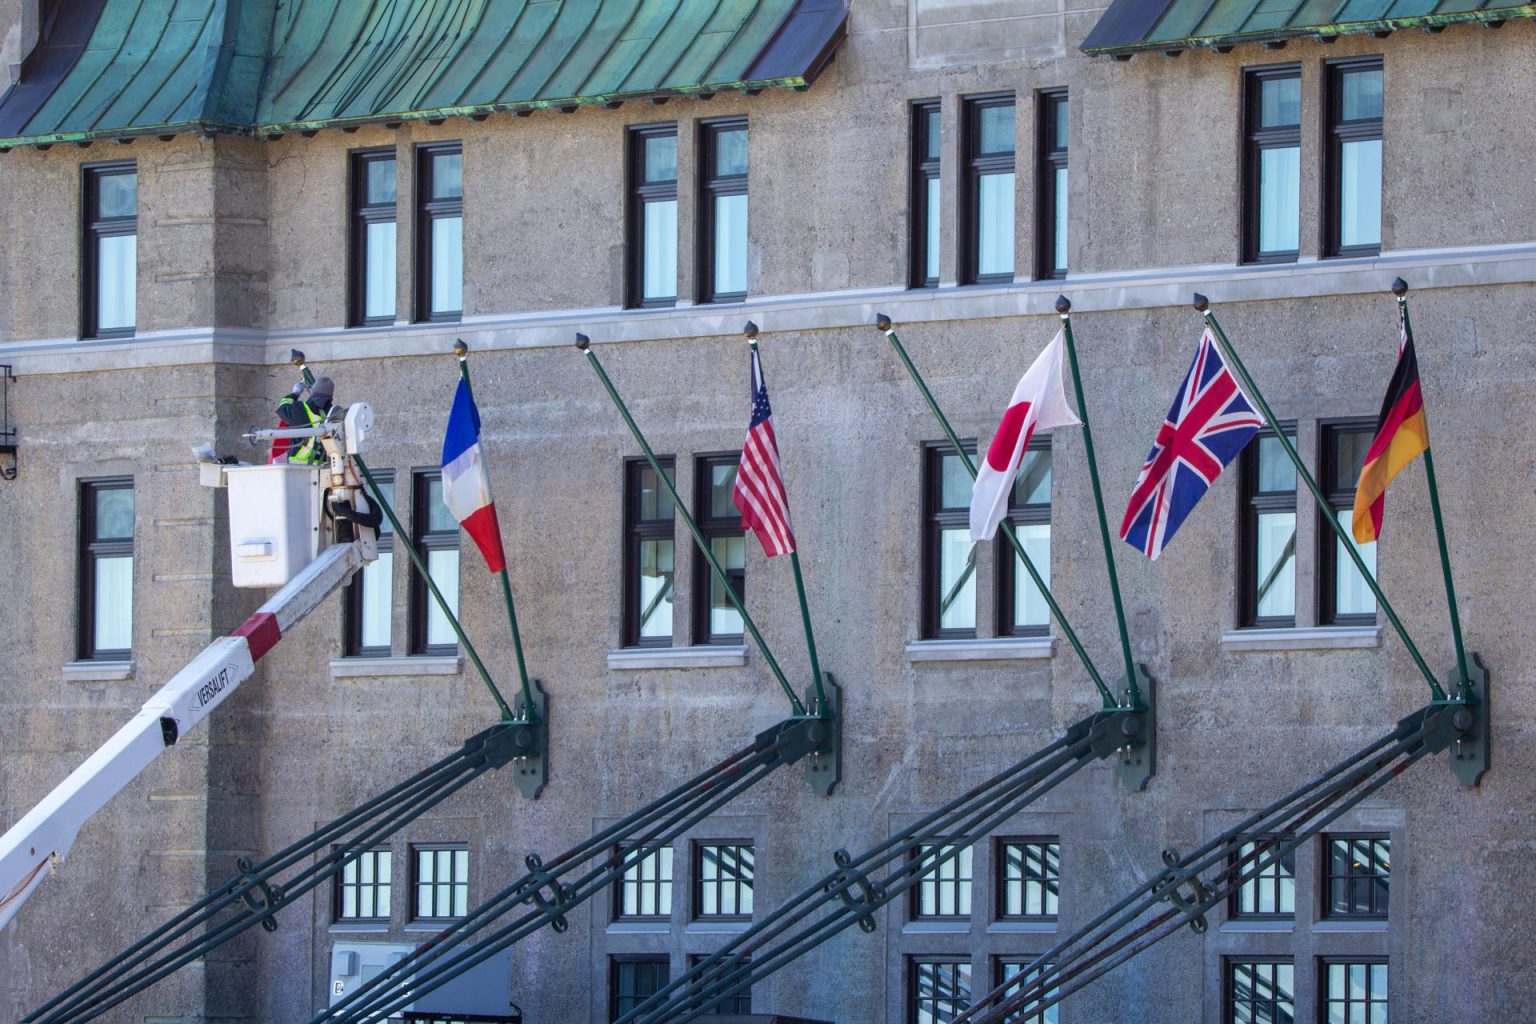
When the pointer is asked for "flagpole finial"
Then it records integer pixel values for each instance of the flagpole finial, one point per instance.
(1202, 304)
(882, 321)
(751, 332)
(296, 357)
(1399, 287)
(459, 348)
(1063, 305)
(583, 342)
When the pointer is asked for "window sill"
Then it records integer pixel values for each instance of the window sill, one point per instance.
(1284, 926)
(1027, 648)
(637, 658)
(1022, 928)
(957, 926)
(358, 928)
(421, 665)
(1341, 925)
(97, 671)
(441, 924)
(717, 927)
(1317, 638)
(660, 927)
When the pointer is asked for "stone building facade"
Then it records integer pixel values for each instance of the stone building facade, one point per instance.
(243, 251)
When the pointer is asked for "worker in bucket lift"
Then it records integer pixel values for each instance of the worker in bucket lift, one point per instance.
(297, 411)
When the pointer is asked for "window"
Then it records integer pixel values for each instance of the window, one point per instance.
(715, 619)
(1272, 164)
(945, 888)
(652, 253)
(633, 979)
(1022, 610)
(1011, 970)
(437, 538)
(439, 231)
(723, 880)
(949, 557)
(723, 212)
(925, 195)
(741, 1002)
(370, 595)
(1357, 873)
(1259, 991)
(1268, 535)
(109, 251)
(937, 990)
(1029, 878)
(648, 556)
(1354, 992)
(372, 292)
(645, 890)
(1051, 226)
(362, 888)
(1352, 171)
(441, 882)
(1343, 597)
(1271, 892)
(106, 569)
(988, 190)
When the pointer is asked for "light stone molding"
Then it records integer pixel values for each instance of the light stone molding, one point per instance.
(639, 658)
(382, 668)
(1030, 648)
(1318, 638)
(98, 671)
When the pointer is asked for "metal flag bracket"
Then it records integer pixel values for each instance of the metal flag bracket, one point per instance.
(530, 737)
(1136, 759)
(1471, 750)
(824, 766)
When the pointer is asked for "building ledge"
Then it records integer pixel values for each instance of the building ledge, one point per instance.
(97, 671)
(1316, 638)
(358, 928)
(379, 668)
(1022, 928)
(1028, 648)
(957, 926)
(658, 927)
(716, 927)
(1341, 926)
(1283, 926)
(639, 658)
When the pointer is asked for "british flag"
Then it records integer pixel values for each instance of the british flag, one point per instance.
(1210, 422)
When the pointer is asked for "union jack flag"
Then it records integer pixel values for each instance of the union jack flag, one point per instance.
(759, 492)
(1210, 422)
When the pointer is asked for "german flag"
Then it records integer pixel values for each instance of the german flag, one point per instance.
(1402, 434)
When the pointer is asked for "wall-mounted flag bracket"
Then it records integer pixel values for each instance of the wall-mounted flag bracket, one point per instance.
(530, 737)
(1471, 747)
(1135, 760)
(824, 764)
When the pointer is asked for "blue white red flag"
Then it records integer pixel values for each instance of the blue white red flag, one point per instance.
(1210, 422)
(466, 486)
(759, 493)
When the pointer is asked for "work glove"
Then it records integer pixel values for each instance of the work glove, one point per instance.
(298, 389)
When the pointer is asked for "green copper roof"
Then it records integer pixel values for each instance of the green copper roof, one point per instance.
(1135, 26)
(118, 68)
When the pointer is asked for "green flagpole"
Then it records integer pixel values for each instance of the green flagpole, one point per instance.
(1400, 289)
(794, 560)
(530, 710)
(1064, 309)
(585, 345)
(1203, 306)
(883, 323)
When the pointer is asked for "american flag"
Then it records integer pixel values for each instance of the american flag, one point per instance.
(759, 490)
(1210, 422)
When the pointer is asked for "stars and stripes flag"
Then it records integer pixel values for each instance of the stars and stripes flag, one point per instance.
(466, 485)
(759, 493)
(1402, 435)
(1210, 422)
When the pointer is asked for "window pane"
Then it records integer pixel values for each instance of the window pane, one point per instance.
(387, 487)
(1350, 447)
(1033, 484)
(732, 553)
(660, 158)
(731, 153)
(1280, 199)
(933, 210)
(1279, 102)
(655, 503)
(444, 567)
(439, 518)
(730, 244)
(379, 271)
(448, 176)
(656, 588)
(377, 580)
(1059, 255)
(722, 488)
(660, 250)
(1350, 594)
(1360, 193)
(956, 483)
(931, 132)
(116, 261)
(114, 604)
(1277, 564)
(1029, 607)
(1277, 473)
(1059, 137)
(957, 580)
(117, 195)
(447, 264)
(380, 187)
(994, 230)
(997, 129)
(114, 512)
(1362, 95)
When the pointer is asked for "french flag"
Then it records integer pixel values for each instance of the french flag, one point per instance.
(466, 486)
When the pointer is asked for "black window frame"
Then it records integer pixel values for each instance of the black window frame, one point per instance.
(621, 1002)
(339, 884)
(1273, 873)
(739, 881)
(363, 214)
(935, 876)
(641, 193)
(741, 1002)
(1256, 139)
(1052, 107)
(428, 210)
(622, 882)
(924, 169)
(89, 548)
(974, 165)
(426, 541)
(417, 849)
(1336, 132)
(1323, 991)
(913, 964)
(636, 531)
(714, 527)
(352, 619)
(1378, 898)
(711, 187)
(1000, 965)
(1020, 514)
(93, 228)
(1050, 885)
(1339, 499)
(1228, 984)
(935, 519)
(1252, 502)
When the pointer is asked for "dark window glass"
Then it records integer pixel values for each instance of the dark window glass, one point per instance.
(723, 875)
(945, 888)
(715, 619)
(1029, 878)
(1269, 891)
(988, 190)
(723, 212)
(1051, 223)
(1019, 973)
(645, 888)
(741, 1002)
(652, 250)
(1021, 606)
(1354, 991)
(106, 569)
(1352, 173)
(362, 888)
(437, 538)
(109, 251)
(1357, 876)
(926, 226)
(648, 556)
(633, 979)
(372, 287)
(1343, 597)
(1272, 164)
(439, 232)
(937, 990)
(1267, 575)
(1260, 992)
(949, 557)
(441, 882)
(370, 595)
